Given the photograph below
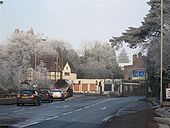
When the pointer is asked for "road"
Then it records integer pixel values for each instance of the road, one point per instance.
(78, 111)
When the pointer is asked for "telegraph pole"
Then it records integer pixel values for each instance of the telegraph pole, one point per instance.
(161, 102)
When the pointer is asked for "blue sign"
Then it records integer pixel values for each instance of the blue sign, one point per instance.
(137, 73)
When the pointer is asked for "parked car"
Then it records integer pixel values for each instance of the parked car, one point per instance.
(46, 95)
(58, 94)
(28, 96)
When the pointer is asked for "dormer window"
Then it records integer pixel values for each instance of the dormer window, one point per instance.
(67, 74)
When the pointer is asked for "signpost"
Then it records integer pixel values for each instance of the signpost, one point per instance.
(167, 93)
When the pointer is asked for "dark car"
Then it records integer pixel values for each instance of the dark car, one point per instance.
(46, 95)
(28, 97)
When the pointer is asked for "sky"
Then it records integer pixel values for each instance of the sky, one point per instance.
(74, 21)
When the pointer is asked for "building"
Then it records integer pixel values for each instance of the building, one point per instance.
(94, 86)
(135, 76)
(136, 71)
(50, 68)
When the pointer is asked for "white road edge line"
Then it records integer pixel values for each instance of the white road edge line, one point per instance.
(29, 124)
(78, 110)
(66, 113)
(118, 113)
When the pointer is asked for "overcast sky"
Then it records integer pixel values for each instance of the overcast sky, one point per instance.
(72, 20)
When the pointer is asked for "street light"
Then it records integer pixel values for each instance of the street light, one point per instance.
(161, 102)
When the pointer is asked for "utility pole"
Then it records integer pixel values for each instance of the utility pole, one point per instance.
(161, 102)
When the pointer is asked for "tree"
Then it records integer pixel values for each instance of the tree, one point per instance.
(150, 27)
(123, 58)
(98, 61)
(148, 36)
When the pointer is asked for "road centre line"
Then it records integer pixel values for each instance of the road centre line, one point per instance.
(67, 113)
(103, 108)
(87, 107)
(78, 110)
(3, 114)
(29, 124)
(51, 118)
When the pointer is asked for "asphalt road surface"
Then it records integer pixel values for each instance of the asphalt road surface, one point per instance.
(76, 112)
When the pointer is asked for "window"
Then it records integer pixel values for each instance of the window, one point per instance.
(67, 73)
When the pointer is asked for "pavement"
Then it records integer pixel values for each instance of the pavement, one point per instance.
(164, 117)
(140, 119)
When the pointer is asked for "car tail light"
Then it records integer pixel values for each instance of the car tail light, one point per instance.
(32, 96)
(18, 96)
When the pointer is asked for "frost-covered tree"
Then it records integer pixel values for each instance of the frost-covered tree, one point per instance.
(15, 57)
(123, 57)
(98, 61)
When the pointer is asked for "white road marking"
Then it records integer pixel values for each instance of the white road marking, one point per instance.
(93, 105)
(66, 113)
(103, 108)
(3, 114)
(107, 118)
(78, 110)
(19, 110)
(87, 107)
(118, 113)
(29, 124)
(65, 106)
(52, 118)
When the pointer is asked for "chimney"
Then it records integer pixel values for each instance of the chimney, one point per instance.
(134, 58)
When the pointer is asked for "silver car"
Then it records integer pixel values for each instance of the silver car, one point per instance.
(58, 94)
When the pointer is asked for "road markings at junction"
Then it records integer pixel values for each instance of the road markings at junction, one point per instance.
(107, 118)
(66, 113)
(29, 124)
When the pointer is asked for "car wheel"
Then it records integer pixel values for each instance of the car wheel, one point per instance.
(36, 103)
(62, 98)
(22, 104)
(18, 104)
(51, 100)
(39, 102)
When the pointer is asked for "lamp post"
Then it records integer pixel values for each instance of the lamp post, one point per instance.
(161, 41)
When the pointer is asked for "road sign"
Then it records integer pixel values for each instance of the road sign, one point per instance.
(167, 93)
